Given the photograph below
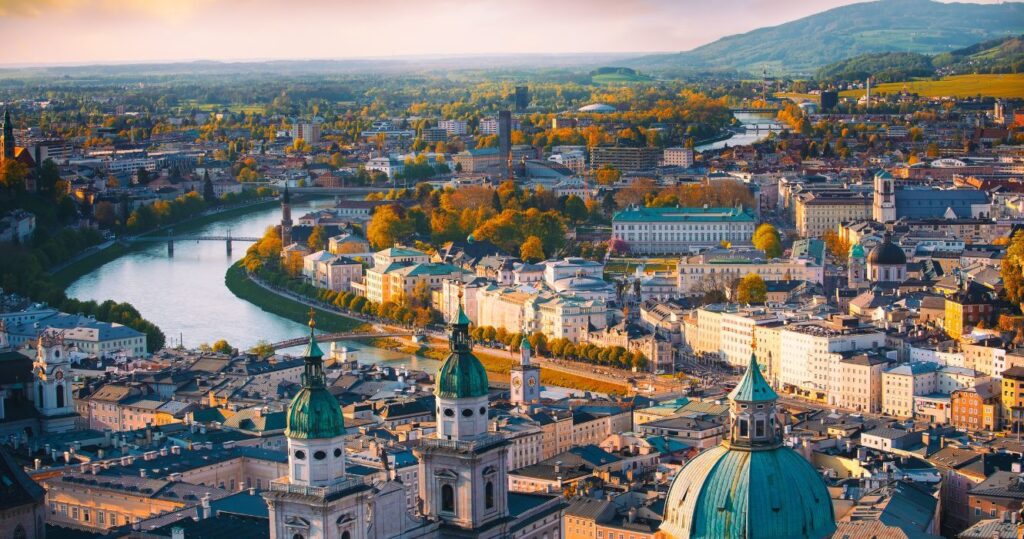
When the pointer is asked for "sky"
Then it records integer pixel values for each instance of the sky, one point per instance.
(66, 32)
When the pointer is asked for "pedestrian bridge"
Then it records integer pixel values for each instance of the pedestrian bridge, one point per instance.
(140, 239)
(347, 336)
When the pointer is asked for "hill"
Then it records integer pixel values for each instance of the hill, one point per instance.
(803, 45)
(999, 56)
(605, 75)
(1004, 86)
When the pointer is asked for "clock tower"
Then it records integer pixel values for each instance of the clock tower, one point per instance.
(52, 393)
(525, 378)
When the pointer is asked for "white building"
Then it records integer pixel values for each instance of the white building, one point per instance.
(390, 166)
(453, 127)
(575, 161)
(678, 157)
(307, 131)
(810, 362)
(654, 231)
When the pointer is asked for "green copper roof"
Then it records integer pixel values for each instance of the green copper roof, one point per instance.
(753, 387)
(461, 375)
(673, 214)
(857, 251)
(725, 493)
(525, 344)
(314, 412)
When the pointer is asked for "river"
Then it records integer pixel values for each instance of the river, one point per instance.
(185, 295)
(743, 139)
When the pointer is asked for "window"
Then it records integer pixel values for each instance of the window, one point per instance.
(337, 452)
(301, 455)
(346, 535)
(447, 498)
(759, 427)
(489, 495)
(448, 412)
(319, 455)
(60, 395)
(467, 413)
(19, 532)
(744, 428)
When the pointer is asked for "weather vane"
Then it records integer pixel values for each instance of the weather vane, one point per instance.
(312, 318)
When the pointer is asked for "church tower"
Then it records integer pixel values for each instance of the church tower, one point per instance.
(8, 141)
(856, 272)
(286, 218)
(883, 208)
(52, 393)
(463, 469)
(525, 378)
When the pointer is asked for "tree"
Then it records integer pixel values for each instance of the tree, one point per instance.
(222, 347)
(607, 175)
(208, 194)
(105, 214)
(751, 289)
(13, 174)
(1011, 271)
(532, 250)
(388, 226)
(317, 239)
(837, 245)
(262, 349)
(766, 238)
(575, 209)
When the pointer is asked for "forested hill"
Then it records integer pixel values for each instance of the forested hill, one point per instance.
(804, 45)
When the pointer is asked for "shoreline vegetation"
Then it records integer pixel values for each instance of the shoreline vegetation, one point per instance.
(239, 283)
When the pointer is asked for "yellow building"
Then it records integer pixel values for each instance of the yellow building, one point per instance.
(1012, 396)
(817, 213)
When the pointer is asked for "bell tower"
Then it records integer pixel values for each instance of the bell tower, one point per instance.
(8, 142)
(52, 393)
(883, 208)
(463, 469)
(286, 218)
(525, 378)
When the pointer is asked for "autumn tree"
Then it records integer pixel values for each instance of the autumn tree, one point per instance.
(388, 226)
(837, 245)
(607, 175)
(532, 250)
(317, 239)
(221, 347)
(751, 289)
(13, 174)
(766, 238)
(1013, 276)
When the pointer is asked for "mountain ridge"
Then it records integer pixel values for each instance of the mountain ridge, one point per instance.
(803, 45)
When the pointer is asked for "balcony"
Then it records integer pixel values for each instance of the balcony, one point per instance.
(285, 486)
(464, 446)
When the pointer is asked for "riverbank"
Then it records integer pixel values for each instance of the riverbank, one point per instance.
(84, 265)
(239, 283)
(718, 138)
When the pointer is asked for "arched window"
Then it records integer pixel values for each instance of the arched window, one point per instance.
(346, 535)
(40, 387)
(489, 495)
(447, 498)
(744, 427)
(298, 536)
(60, 395)
(19, 532)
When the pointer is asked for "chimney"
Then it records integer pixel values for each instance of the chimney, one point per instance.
(163, 451)
(631, 514)
(175, 450)
(558, 466)
(177, 532)
(142, 472)
(38, 464)
(204, 510)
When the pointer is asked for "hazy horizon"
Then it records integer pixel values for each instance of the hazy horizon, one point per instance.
(49, 33)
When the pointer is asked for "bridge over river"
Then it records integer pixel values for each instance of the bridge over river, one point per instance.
(171, 238)
(349, 336)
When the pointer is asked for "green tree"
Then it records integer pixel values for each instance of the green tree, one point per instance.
(262, 349)
(751, 289)
(208, 194)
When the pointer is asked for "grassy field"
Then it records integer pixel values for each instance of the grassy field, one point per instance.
(627, 266)
(235, 107)
(959, 86)
(240, 285)
(797, 96)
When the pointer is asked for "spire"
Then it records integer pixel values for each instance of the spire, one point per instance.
(753, 387)
(458, 330)
(8, 138)
(314, 371)
(286, 198)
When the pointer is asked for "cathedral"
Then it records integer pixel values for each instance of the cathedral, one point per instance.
(463, 469)
(751, 486)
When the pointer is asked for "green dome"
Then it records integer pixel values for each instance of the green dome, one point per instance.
(314, 413)
(753, 387)
(727, 493)
(857, 251)
(461, 375)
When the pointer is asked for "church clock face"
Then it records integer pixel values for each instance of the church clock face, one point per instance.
(532, 382)
(517, 383)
